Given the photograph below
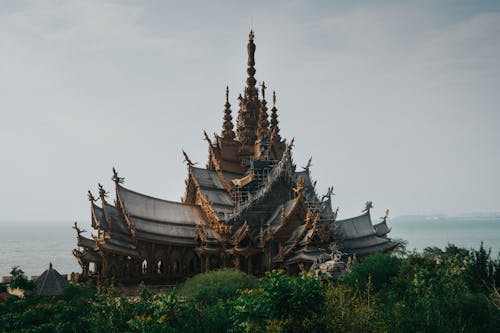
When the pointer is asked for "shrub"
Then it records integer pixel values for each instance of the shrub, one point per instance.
(281, 303)
(210, 287)
(380, 268)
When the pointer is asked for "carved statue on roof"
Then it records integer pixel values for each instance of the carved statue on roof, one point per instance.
(78, 230)
(186, 158)
(328, 195)
(102, 192)
(90, 196)
(368, 206)
(116, 179)
(386, 215)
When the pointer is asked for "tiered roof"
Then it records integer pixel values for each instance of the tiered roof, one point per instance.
(359, 236)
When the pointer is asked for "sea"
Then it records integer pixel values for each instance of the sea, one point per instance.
(33, 246)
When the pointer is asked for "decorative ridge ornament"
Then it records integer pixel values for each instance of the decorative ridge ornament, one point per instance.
(227, 126)
(186, 158)
(116, 179)
(263, 125)
(250, 90)
(368, 206)
(91, 197)
(274, 118)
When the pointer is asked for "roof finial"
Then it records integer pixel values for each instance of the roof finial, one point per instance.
(368, 206)
(274, 118)
(50, 265)
(116, 179)
(187, 160)
(263, 124)
(251, 91)
(102, 192)
(227, 126)
(90, 196)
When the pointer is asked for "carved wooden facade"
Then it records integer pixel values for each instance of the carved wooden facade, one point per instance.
(249, 208)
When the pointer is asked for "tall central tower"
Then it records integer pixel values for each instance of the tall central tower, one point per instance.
(247, 121)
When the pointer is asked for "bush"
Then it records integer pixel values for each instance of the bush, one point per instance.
(281, 303)
(209, 298)
(379, 268)
(210, 287)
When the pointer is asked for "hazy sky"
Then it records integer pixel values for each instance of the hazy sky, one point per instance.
(397, 102)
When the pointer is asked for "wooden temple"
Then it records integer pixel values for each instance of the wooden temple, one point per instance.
(249, 208)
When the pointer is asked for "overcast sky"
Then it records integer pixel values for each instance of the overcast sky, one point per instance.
(397, 102)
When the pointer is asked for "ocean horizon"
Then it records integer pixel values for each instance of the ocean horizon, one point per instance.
(34, 245)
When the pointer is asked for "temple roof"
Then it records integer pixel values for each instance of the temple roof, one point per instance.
(363, 242)
(212, 187)
(117, 224)
(86, 242)
(387, 246)
(210, 178)
(89, 255)
(119, 246)
(382, 228)
(356, 227)
(153, 209)
(165, 232)
(50, 283)
(360, 237)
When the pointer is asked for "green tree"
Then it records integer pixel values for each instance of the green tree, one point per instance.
(19, 280)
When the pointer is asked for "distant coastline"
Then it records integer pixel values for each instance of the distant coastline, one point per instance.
(475, 215)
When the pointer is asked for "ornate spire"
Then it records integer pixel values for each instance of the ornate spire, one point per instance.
(263, 126)
(248, 114)
(227, 126)
(251, 91)
(274, 117)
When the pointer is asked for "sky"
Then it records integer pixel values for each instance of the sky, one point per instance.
(396, 102)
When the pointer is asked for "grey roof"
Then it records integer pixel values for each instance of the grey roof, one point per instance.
(119, 247)
(382, 228)
(165, 239)
(363, 242)
(210, 178)
(90, 256)
(309, 253)
(211, 186)
(86, 242)
(275, 218)
(356, 227)
(117, 224)
(180, 230)
(154, 209)
(389, 245)
(50, 283)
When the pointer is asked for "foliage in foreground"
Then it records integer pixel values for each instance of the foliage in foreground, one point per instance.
(450, 290)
